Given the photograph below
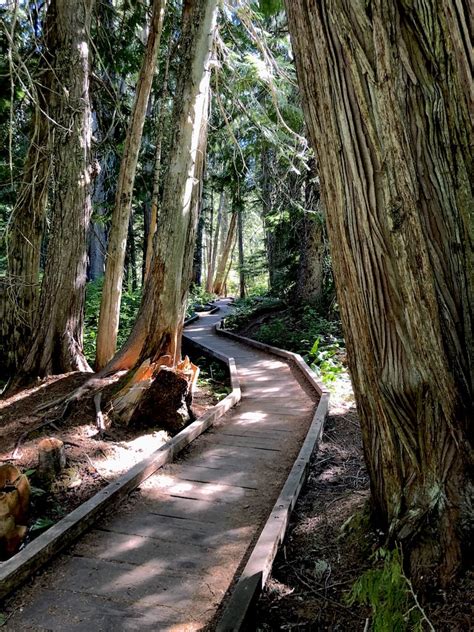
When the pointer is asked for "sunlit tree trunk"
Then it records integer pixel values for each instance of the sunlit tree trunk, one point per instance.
(57, 340)
(158, 327)
(112, 290)
(157, 160)
(387, 94)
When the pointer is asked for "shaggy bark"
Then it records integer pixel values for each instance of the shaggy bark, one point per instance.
(57, 342)
(112, 291)
(20, 288)
(386, 100)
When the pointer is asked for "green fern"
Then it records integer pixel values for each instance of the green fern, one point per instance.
(387, 591)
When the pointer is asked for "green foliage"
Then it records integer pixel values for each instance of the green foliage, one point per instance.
(197, 295)
(301, 330)
(388, 592)
(128, 313)
(213, 375)
(41, 524)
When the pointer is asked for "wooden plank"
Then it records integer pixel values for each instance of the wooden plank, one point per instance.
(223, 494)
(226, 475)
(246, 442)
(15, 570)
(259, 564)
(294, 357)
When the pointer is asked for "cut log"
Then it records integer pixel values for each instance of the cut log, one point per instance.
(51, 461)
(14, 504)
(157, 394)
(167, 402)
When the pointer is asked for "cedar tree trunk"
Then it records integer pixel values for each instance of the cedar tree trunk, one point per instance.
(57, 340)
(386, 96)
(20, 290)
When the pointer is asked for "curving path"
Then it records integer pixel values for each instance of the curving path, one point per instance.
(167, 556)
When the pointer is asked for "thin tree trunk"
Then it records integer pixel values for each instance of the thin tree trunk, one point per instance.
(225, 255)
(387, 104)
(158, 327)
(57, 341)
(240, 239)
(266, 211)
(157, 168)
(112, 291)
(215, 244)
(197, 219)
(209, 233)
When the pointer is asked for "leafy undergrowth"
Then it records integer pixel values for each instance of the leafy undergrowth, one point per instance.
(128, 313)
(129, 307)
(300, 329)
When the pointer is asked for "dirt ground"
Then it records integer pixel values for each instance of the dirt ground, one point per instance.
(93, 460)
(323, 555)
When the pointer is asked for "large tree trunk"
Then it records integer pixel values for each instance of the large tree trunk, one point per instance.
(157, 330)
(20, 291)
(386, 99)
(57, 340)
(112, 291)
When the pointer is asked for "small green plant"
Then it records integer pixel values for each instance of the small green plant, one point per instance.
(324, 360)
(128, 312)
(41, 524)
(389, 593)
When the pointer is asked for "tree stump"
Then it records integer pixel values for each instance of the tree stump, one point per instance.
(14, 504)
(51, 461)
(157, 394)
(166, 402)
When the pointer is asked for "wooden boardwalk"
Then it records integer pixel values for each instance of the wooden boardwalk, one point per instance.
(167, 556)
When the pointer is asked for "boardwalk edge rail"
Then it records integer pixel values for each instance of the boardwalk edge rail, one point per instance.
(17, 569)
(245, 592)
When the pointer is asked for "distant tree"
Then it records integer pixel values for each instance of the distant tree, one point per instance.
(387, 96)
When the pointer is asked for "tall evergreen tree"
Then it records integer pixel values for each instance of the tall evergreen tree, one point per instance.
(387, 101)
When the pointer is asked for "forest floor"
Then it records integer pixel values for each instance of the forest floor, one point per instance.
(330, 542)
(93, 460)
